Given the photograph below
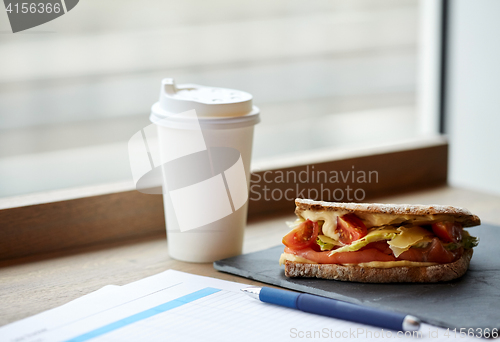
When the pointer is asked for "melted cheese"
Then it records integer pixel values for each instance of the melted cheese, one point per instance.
(407, 238)
(375, 220)
(369, 219)
(330, 218)
(390, 264)
(373, 264)
(293, 257)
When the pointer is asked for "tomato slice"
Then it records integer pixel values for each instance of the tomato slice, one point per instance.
(303, 236)
(365, 255)
(435, 252)
(301, 241)
(350, 228)
(382, 246)
(448, 231)
(377, 251)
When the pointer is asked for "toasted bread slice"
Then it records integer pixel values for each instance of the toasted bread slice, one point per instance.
(458, 214)
(403, 274)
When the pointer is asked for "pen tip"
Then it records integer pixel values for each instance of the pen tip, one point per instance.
(252, 291)
(411, 323)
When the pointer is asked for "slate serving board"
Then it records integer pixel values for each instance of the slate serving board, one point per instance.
(472, 301)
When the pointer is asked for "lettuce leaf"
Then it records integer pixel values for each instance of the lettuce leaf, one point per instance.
(326, 243)
(379, 234)
(468, 242)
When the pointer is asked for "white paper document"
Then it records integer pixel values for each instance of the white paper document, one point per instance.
(177, 306)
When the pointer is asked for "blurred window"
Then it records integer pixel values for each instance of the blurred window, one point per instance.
(328, 73)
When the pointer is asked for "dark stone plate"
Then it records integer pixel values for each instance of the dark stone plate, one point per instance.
(472, 301)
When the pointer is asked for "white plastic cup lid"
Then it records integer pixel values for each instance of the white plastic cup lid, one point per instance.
(216, 108)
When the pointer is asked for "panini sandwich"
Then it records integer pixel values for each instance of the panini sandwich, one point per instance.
(378, 243)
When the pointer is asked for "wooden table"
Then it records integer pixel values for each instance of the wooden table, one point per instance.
(34, 284)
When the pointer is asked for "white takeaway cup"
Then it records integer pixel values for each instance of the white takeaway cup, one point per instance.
(205, 137)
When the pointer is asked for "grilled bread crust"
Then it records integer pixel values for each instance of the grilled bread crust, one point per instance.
(459, 214)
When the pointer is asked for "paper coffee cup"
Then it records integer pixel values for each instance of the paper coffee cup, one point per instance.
(205, 137)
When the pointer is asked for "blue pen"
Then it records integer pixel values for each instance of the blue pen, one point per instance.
(335, 308)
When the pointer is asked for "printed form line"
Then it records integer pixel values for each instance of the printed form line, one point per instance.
(130, 301)
(145, 314)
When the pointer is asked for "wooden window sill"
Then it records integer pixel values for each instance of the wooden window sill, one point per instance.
(69, 219)
(32, 284)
